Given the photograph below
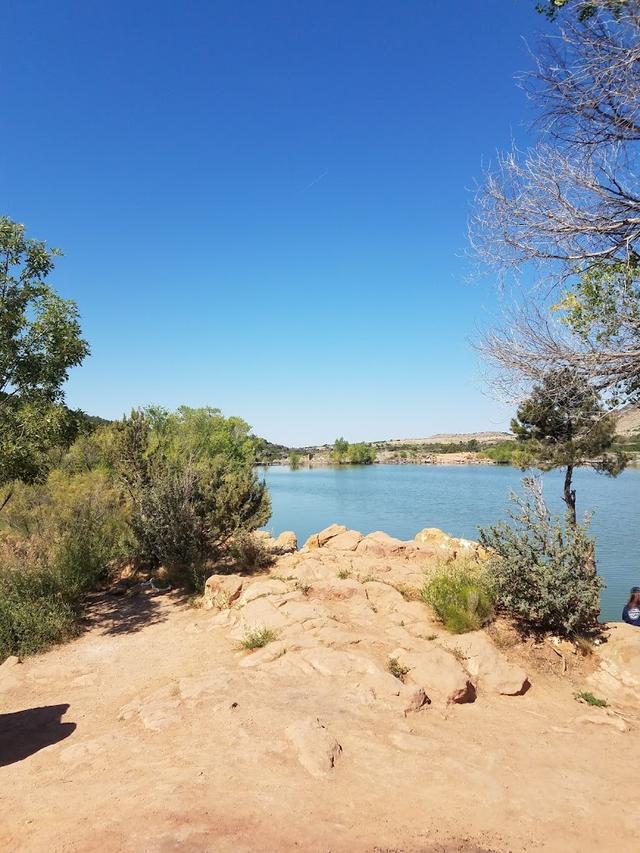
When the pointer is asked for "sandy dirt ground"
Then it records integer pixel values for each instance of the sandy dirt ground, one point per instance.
(155, 731)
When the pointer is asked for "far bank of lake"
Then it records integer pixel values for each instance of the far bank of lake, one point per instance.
(401, 500)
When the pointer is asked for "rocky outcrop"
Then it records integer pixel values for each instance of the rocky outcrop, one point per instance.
(347, 607)
(617, 676)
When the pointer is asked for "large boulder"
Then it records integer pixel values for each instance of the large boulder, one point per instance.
(438, 672)
(488, 667)
(346, 541)
(329, 532)
(286, 543)
(379, 544)
(316, 748)
(617, 678)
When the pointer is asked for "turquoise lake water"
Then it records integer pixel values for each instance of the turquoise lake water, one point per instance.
(402, 499)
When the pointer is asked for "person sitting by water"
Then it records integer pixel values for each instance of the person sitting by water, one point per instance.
(631, 610)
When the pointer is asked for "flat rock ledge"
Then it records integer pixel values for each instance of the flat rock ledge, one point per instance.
(347, 607)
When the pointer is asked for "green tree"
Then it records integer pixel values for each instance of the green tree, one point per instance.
(361, 454)
(563, 424)
(340, 450)
(192, 485)
(40, 340)
(294, 460)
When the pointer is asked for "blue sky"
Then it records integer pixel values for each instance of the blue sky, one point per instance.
(263, 205)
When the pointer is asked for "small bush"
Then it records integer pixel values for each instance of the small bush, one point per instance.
(543, 568)
(34, 611)
(343, 574)
(590, 699)
(461, 596)
(250, 554)
(396, 669)
(258, 638)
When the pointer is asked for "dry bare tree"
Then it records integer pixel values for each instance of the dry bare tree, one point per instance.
(564, 216)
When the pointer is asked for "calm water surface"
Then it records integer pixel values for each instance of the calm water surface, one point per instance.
(402, 499)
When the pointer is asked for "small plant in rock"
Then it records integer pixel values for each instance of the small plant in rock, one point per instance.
(368, 578)
(396, 669)
(343, 574)
(458, 654)
(303, 587)
(258, 638)
(462, 597)
(589, 699)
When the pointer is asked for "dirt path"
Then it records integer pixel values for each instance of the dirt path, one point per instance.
(151, 733)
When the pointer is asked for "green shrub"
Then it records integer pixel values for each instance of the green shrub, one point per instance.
(34, 611)
(543, 569)
(461, 595)
(59, 539)
(397, 669)
(192, 485)
(361, 454)
(249, 553)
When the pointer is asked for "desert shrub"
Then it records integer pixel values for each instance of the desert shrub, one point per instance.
(258, 638)
(192, 486)
(59, 539)
(543, 568)
(361, 454)
(250, 553)
(34, 610)
(461, 595)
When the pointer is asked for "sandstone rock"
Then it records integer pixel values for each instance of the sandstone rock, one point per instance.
(371, 548)
(260, 588)
(488, 667)
(316, 748)
(336, 589)
(617, 677)
(346, 541)
(222, 590)
(265, 655)
(312, 542)
(433, 537)
(8, 663)
(286, 543)
(379, 544)
(439, 673)
(257, 614)
(611, 721)
(383, 597)
(329, 532)
(416, 700)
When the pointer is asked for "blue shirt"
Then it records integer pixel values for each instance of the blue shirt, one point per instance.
(631, 615)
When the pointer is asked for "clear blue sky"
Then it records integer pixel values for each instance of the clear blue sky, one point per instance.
(263, 204)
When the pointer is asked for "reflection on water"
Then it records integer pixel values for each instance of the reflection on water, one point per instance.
(402, 499)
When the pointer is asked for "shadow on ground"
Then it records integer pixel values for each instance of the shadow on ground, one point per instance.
(24, 732)
(121, 614)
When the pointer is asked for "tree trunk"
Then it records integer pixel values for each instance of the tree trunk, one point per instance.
(569, 496)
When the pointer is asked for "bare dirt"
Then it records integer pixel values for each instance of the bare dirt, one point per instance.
(157, 731)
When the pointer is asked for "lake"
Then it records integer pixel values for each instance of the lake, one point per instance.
(403, 499)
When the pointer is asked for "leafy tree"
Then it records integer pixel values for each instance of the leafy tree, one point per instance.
(40, 340)
(563, 424)
(294, 460)
(340, 450)
(191, 483)
(361, 454)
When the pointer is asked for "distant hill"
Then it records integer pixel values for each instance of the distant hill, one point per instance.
(456, 438)
(629, 422)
